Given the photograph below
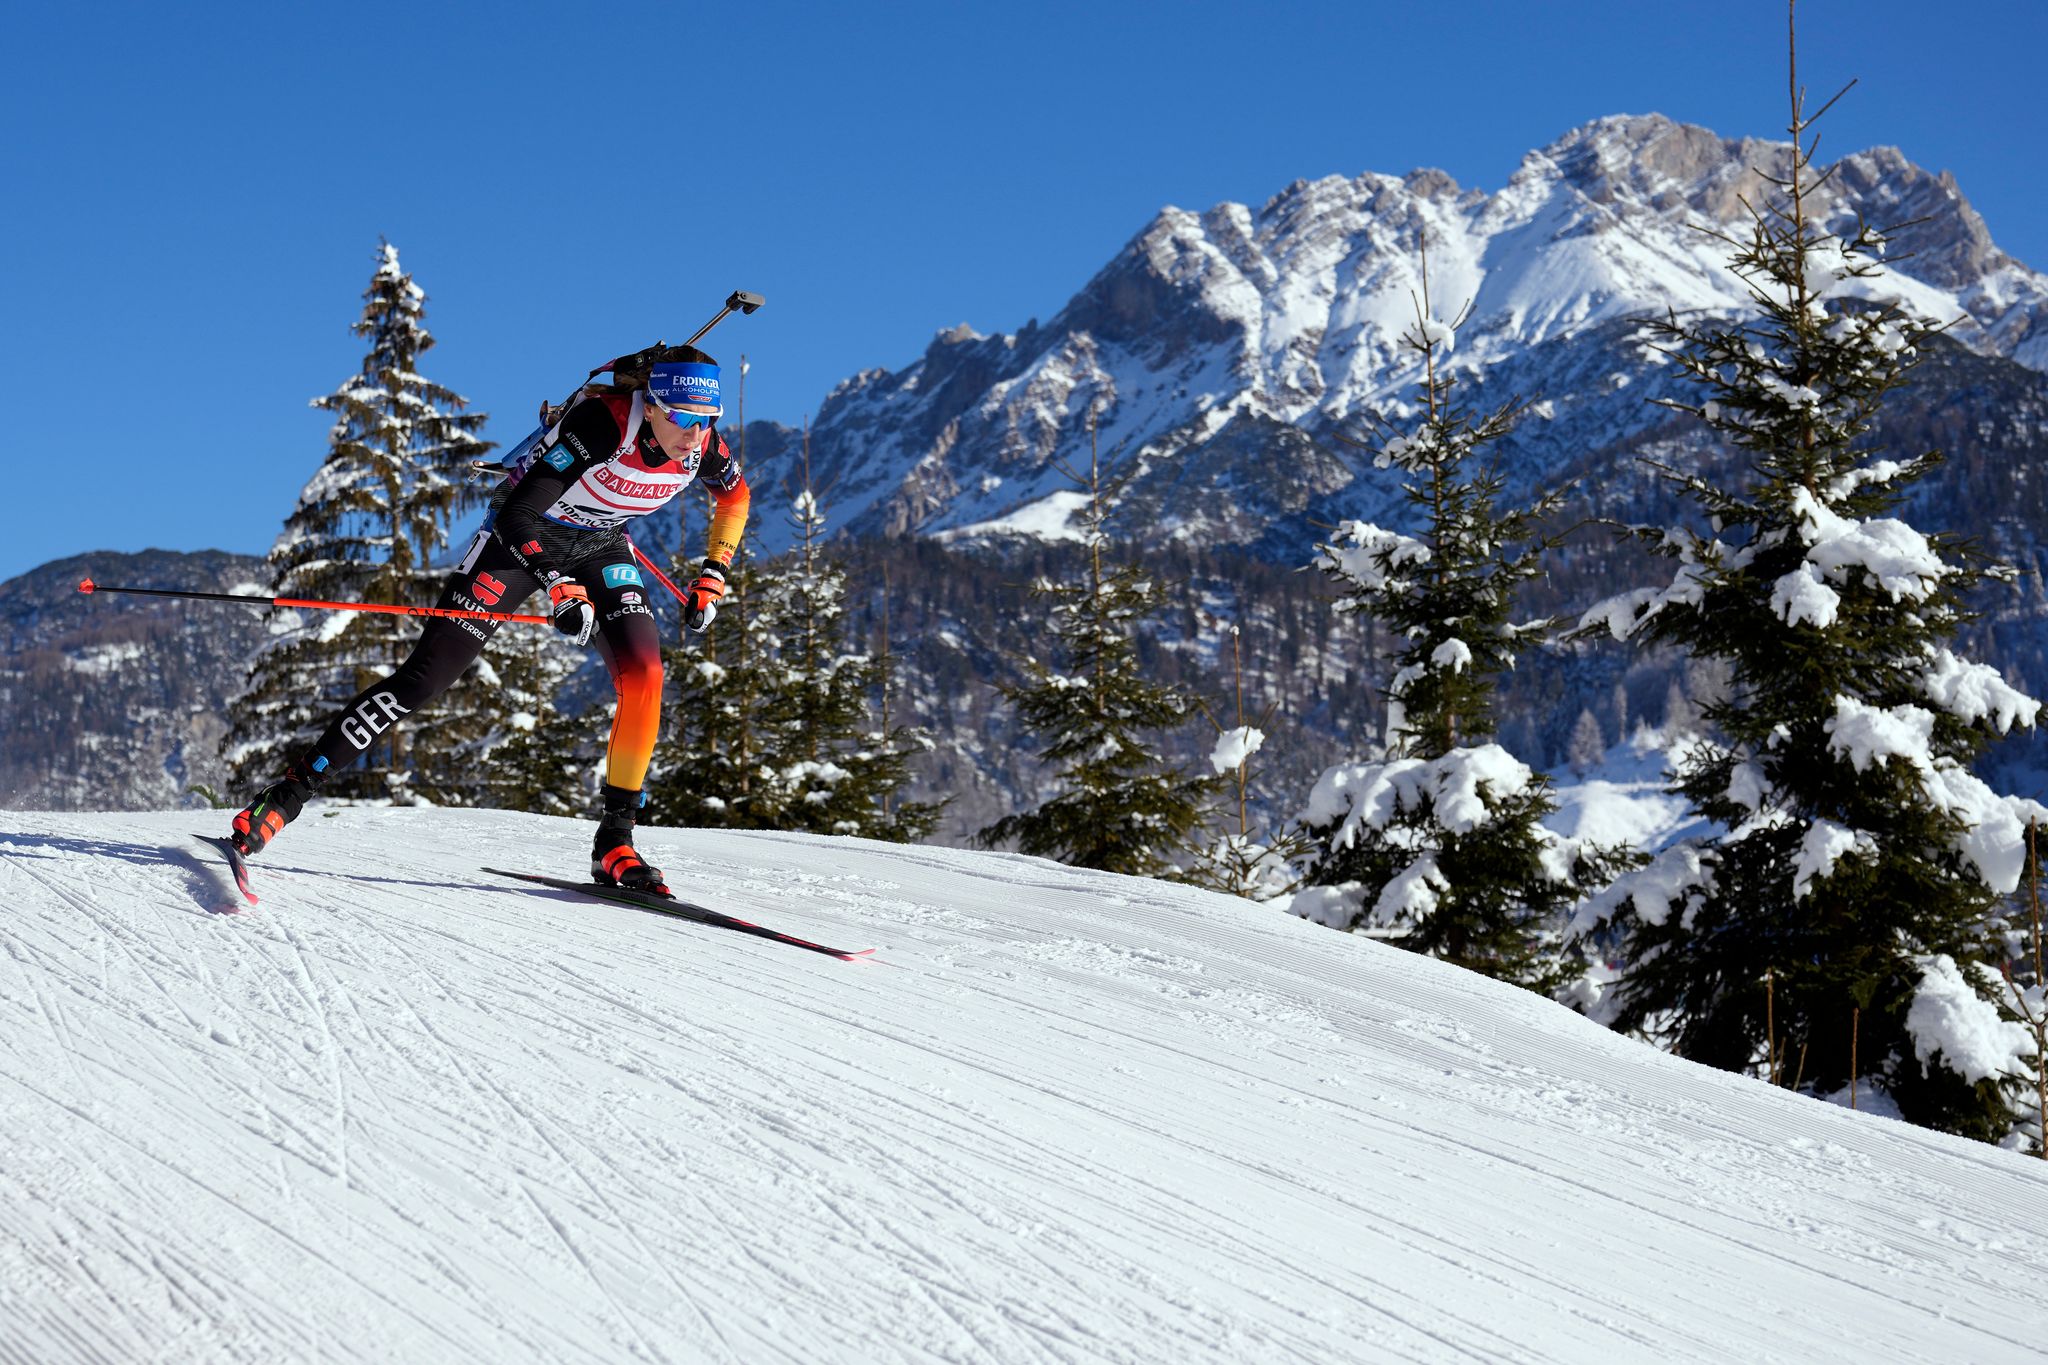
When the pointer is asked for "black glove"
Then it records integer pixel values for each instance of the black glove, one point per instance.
(701, 598)
(572, 613)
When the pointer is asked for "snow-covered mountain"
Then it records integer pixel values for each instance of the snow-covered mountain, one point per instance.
(1224, 347)
(1230, 348)
(406, 1111)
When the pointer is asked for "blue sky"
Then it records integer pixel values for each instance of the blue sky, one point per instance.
(195, 195)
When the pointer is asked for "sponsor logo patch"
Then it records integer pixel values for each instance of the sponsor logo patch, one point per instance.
(559, 460)
(608, 478)
(629, 597)
(622, 575)
(489, 590)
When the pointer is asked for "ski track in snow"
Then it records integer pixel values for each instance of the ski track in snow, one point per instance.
(405, 1110)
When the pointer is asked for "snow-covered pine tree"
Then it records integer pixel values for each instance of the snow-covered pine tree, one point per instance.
(1239, 861)
(1587, 745)
(1848, 900)
(708, 770)
(1436, 842)
(1117, 809)
(770, 718)
(837, 772)
(366, 527)
(527, 753)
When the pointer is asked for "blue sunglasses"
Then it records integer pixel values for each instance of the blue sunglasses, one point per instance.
(679, 417)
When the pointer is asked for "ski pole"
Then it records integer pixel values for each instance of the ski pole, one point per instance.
(89, 586)
(649, 565)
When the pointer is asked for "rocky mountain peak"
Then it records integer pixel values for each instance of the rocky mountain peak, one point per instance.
(1295, 311)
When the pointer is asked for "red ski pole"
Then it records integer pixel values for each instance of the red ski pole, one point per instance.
(649, 565)
(89, 586)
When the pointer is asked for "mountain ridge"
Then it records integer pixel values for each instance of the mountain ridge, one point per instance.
(1294, 311)
(958, 452)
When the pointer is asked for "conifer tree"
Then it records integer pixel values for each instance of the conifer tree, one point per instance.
(1848, 902)
(836, 772)
(708, 771)
(1437, 842)
(519, 750)
(1117, 809)
(366, 527)
(772, 722)
(1587, 745)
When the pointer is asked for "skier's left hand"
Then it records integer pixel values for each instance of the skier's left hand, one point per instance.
(701, 598)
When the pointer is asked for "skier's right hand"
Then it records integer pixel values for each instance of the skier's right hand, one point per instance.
(572, 613)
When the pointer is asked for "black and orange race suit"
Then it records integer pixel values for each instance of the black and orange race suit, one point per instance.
(564, 518)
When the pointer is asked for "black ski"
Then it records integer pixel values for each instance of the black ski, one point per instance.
(236, 862)
(665, 905)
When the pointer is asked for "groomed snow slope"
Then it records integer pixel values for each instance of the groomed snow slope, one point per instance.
(407, 1112)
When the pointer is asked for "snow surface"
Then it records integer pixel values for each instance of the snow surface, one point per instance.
(1625, 800)
(405, 1111)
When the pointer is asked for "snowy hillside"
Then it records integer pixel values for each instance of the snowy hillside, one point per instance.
(405, 1111)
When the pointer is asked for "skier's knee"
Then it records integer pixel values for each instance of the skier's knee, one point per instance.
(637, 678)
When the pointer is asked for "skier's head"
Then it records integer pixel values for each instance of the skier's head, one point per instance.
(682, 387)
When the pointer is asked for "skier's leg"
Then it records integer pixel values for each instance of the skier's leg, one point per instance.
(630, 643)
(445, 648)
(487, 580)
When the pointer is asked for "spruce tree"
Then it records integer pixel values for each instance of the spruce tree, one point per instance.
(836, 771)
(708, 771)
(771, 714)
(520, 751)
(1436, 842)
(1848, 901)
(1117, 809)
(1587, 745)
(366, 527)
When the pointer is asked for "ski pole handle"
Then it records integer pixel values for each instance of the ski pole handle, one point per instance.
(88, 586)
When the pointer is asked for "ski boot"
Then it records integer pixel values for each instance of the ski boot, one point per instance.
(276, 806)
(613, 862)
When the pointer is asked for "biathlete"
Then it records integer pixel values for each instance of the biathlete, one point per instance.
(620, 451)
